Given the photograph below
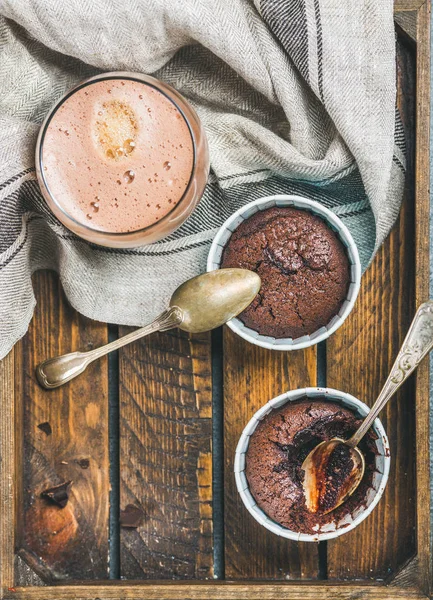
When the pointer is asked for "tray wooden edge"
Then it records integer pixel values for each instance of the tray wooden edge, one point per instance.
(414, 581)
(423, 570)
(215, 591)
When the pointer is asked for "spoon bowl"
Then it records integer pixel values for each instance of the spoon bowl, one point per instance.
(210, 300)
(333, 471)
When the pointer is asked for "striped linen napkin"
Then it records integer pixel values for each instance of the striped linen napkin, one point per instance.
(296, 96)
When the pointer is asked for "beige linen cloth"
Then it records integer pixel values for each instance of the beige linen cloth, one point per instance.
(296, 96)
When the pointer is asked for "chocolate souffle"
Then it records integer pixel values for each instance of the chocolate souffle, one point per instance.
(303, 266)
(277, 449)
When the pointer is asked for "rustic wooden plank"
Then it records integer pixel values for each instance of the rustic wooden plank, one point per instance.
(403, 5)
(407, 21)
(217, 591)
(7, 471)
(422, 267)
(408, 576)
(360, 356)
(252, 376)
(71, 542)
(165, 456)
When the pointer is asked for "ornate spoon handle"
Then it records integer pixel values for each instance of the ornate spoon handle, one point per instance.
(417, 343)
(56, 371)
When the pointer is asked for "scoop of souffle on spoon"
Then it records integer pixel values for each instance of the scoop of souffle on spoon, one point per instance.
(335, 468)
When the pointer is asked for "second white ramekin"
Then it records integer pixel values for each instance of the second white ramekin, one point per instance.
(350, 521)
(224, 234)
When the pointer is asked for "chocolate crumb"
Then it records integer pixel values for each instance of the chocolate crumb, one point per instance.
(59, 494)
(46, 428)
(83, 462)
(132, 517)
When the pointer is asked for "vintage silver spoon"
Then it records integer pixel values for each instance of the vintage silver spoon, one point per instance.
(334, 468)
(200, 304)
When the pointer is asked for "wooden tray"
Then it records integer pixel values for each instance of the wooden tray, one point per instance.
(141, 428)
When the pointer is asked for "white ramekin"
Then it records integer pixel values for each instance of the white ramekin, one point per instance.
(349, 522)
(223, 236)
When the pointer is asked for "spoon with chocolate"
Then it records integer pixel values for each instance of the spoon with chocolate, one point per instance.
(335, 468)
(200, 304)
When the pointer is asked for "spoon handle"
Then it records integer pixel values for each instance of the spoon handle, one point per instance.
(54, 372)
(418, 342)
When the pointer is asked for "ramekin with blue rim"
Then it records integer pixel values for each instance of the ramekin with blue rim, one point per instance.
(223, 236)
(334, 528)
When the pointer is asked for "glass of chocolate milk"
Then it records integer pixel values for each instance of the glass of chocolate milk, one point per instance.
(122, 159)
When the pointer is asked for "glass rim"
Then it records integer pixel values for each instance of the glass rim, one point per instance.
(141, 78)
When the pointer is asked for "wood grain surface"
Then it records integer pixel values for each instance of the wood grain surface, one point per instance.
(64, 437)
(422, 292)
(252, 376)
(360, 356)
(10, 469)
(251, 590)
(407, 23)
(165, 456)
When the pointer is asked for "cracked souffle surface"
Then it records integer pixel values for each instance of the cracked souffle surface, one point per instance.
(277, 449)
(303, 266)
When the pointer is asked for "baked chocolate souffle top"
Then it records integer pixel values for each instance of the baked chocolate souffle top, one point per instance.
(277, 449)
(303, 266)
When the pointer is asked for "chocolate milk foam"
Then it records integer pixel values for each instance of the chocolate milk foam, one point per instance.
(117, 155)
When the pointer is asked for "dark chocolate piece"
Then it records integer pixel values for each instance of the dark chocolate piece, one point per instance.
(132, 516)
(337, 473)
(59, 494)
(45, 427)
